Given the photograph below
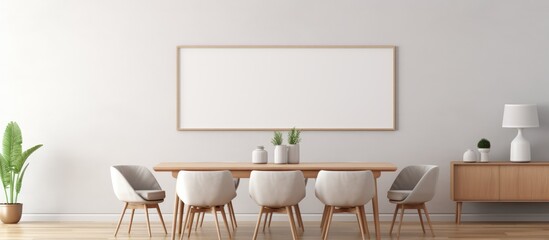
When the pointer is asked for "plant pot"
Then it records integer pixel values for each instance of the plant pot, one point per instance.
(11, 213)
(293, 154)
(484, 154)
(281, 154)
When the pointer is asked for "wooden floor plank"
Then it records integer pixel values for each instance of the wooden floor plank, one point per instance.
(278, 230)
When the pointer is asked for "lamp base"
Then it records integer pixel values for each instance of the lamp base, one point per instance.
(520, 148)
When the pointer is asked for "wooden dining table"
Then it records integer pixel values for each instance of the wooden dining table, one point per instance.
(244, 169)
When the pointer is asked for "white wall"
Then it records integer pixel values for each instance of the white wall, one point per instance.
(94, 81)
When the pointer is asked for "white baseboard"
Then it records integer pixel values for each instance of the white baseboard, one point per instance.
(278, 217)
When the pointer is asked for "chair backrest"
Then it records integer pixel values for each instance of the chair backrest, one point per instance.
(277, 188)
(345, 188)
(420, 179)
(126, 179)
(205, 188)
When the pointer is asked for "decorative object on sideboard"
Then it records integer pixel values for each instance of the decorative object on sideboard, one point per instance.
(293, 147)
(470, 156)
(520, 116)
(12, 172)
(259, 155)
(484, 148)
(280, 151)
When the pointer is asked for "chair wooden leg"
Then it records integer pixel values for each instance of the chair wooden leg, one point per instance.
(186, 221)
(202, 219)
(360, 221)
(401, 218)
(292, 223)
(421, 220)
(121, 217)
(328, 222)
(230, 215)
(197, 220)
(180, 216)
(365, 221)
(265, 221)
(161, 218)
(270, 219)
(323, 220)
(131, 221)
(394, 218)
(325, 217)
(225, 220)
(233, 215)
(258, 223)
(147, 216)
(190, 223)
(428, 219)
(298, 216)
(216, 223)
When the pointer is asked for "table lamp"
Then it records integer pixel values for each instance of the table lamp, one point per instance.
(520, 116)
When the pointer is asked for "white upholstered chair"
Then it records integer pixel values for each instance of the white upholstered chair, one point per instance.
(138, 188)
(230, 208)
(413, 187)
(277, 191)
(299, 219)
(345, 191)
(205, 191)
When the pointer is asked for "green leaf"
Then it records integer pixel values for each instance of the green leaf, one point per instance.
(18, 164)
(4, 172)
(20, 180)
(277, 139)
(12, 143)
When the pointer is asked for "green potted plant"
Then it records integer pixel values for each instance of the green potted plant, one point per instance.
(12, 171)
(280, 151)
(484, 148)
(293, 147)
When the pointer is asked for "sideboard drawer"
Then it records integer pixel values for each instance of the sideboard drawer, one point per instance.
(476, 183)
(524, 183)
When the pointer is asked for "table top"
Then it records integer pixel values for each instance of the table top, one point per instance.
(502, 163)
(248, 166)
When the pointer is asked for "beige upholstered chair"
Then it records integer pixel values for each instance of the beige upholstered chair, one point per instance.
(345, 191)
(278, 192)
(299, 219)
(204, 191)
(413, 187)
(138, 188)
(230, 208)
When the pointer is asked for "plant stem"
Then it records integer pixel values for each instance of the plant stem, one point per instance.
(6, 195)
(16, 194)
(12, 186)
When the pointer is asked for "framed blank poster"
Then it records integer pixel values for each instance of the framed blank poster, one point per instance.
(279, 87)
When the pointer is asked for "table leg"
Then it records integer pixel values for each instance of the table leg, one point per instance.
(175, 211)
(458, 212)
(376, 210)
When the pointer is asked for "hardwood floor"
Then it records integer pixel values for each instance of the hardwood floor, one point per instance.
(278, 230)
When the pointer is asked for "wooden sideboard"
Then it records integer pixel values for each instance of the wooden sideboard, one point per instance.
(498, 182)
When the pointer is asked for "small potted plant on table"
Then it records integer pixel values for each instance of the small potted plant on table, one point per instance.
(293, 148)
(280, 151)
(484, 148)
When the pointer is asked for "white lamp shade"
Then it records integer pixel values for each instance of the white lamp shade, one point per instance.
(520, 116)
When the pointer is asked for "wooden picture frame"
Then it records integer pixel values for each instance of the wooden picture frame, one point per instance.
(265, 88)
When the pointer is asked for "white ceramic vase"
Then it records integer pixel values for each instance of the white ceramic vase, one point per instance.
(259, 155)
(293, 153)
(470, 156)
(281, 154)
(484, 154)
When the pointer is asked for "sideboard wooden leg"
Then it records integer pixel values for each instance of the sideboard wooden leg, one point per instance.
(458, 212)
